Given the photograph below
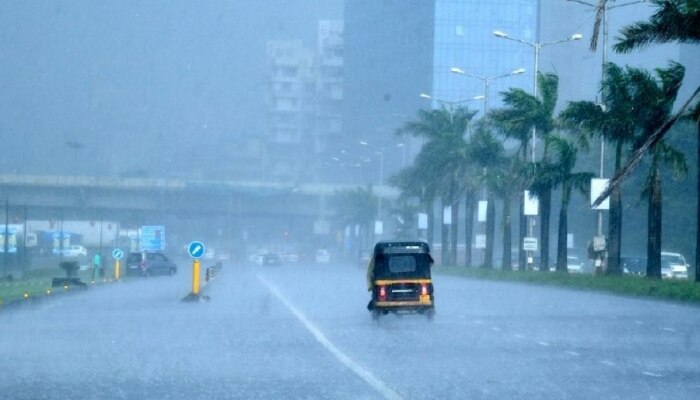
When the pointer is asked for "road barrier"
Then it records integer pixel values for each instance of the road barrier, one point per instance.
(209, 274)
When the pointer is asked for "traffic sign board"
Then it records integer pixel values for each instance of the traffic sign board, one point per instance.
(117, 254)
(530, 244)
(196, 249)
(153, 238)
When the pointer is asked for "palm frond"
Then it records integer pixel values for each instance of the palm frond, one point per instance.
(673, 21)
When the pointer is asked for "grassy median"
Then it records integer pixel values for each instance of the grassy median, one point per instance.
(35, 283)
(680, 290)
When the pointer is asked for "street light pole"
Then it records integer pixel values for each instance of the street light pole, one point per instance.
(487, 84)
(487, 81)
(537, 46)
(451, 104)
(601, 172)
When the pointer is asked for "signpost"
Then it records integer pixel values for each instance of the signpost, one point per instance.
(117, 255)
(152, 238)
(196, 250)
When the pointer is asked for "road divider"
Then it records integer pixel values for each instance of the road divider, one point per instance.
(197, 287)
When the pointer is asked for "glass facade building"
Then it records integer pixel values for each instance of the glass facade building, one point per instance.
(464, 38)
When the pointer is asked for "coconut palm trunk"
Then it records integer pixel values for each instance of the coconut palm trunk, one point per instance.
(562, 264)
(506, 260)
(468, 226)
(546, 210)
(614, 244)
(453, 232)
(490, 230)
(654, 224)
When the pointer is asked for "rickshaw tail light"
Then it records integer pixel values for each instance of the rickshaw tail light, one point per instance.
(382, 292)
(424, 289)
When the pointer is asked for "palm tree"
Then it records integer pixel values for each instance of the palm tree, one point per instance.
(504, 181)
(356, 206)
(615, 124)
(521, 113)
(486, 154)
(673, 21)
(694, 115)
(443, 158)
(561, 170)
(655, 99)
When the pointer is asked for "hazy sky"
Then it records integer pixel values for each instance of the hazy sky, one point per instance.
(87, 85)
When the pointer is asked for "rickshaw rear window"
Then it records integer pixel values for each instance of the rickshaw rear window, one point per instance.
(402, 264)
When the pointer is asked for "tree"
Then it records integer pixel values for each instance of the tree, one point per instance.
(673, 21)
(694, 115)
(442, 158)
(561, 171)
(655, 99)
(521, 113)
(504, 181)
(356, 207)
(486, 155)
(614, 123)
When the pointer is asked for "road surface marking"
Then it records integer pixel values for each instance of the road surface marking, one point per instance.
(545, 344)
(376, 383)
(647, 373)
(608, 363)
(479, 322)
(519, 336)
(639, 322)
(572, 353)
(669, 329)
(495, 328)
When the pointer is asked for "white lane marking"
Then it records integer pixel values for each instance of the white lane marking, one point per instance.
(495, 328)
(376, 383)
(545, 344)
(669, 330)
(639, 322)
(608, 363)
(479, 322)
(572, 353)
(647, 373)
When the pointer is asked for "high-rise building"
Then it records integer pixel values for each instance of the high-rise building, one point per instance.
(397, 49)
(305, 93)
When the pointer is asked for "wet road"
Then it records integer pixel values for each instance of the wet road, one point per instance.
(303, 332)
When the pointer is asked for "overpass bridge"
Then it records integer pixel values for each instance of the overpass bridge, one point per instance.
(231, 209)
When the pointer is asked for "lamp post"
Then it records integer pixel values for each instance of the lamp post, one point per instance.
(451, 104)
(604, 8)
(487, 84)
(537, 46)
(487, 81)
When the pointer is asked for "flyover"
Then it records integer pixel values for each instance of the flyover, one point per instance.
(224, 205)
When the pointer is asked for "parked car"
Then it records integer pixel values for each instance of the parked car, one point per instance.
(149, 263)
(323, 257)
(673, 265)
(634, 265)
(271, 259)
(265, 258)
(74, 251)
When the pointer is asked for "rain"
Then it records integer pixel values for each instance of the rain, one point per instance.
(349, 199)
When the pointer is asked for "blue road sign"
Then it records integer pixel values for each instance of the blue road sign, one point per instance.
(196, 249)
(117, 254)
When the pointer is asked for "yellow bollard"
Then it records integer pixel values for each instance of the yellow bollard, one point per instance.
(195, 277)
(116, 270)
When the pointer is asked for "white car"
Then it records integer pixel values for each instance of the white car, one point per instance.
(75, 251)
(673, 265)
(322, 256)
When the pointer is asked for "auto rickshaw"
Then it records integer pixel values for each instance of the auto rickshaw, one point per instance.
(398, 276)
